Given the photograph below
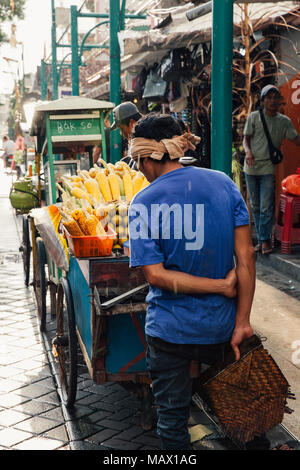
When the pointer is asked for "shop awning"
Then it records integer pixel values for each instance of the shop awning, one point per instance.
(181, 32)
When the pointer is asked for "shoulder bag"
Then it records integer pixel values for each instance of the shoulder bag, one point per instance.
(275, 154)
(155, 87)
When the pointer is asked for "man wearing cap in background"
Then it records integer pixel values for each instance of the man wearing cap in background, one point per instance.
(126, 116)
(258, 168)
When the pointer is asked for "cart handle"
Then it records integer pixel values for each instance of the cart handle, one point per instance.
(110, 303)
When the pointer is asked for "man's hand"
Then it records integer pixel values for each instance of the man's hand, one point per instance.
(250, 160)
(240, 333)
(230, 284)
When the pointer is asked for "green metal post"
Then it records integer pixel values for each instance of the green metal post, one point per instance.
(115, 75)
(52, 186)
(62, 65)
(82, 46)
(74, 47)
(54, 57)
(123, 8)
(221, 86)
(43, 80)
(103, 143)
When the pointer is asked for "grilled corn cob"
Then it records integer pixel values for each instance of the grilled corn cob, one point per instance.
(137, 182)
(128, 186)
(100, 231)
(104, 186)
(73, 227)
(92, 221)
(114, 185)
(92, 187)
(81, 219)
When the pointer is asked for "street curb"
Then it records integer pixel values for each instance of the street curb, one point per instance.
(280, 264)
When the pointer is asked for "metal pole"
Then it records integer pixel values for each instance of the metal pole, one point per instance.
(54, 58)
(43, 85)
(51, 176)
(82, 47)
(221, 86)
(115, 75)
(123, 8)
(74, 46)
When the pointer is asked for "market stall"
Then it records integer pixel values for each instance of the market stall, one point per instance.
(80, 235)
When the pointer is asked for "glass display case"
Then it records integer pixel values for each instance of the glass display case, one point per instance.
(61, 169)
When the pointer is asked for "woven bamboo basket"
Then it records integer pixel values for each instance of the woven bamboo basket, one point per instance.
(249, 396)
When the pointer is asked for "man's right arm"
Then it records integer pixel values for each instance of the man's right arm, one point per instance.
(245, 271)
(188, 284)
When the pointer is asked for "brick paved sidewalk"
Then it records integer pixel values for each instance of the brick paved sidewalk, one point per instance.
(105, 417)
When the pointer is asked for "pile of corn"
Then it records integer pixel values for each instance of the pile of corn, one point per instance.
(99, 198)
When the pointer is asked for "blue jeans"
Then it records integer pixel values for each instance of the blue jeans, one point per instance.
(169, 368)
(261, 190)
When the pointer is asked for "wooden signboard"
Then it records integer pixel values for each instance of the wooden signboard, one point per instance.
(75, 127)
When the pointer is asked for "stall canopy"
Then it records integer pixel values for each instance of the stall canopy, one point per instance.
(180, 32)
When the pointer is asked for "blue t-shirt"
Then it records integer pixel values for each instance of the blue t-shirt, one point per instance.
(185, 219)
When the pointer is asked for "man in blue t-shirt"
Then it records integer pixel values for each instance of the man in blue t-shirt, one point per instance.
(185, 229)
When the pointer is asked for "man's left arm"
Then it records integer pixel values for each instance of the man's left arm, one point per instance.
(245, 271)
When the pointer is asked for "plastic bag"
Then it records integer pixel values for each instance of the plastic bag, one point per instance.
(48, 222)
(291, 184)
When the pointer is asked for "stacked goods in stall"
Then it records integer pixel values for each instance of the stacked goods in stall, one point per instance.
(96, 202)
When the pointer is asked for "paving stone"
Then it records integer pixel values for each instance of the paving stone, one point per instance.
(10, 417)
(87, 400)
(38, 443)
(49, 398)
(97, 417)
(102, 435)
(84, 445)
(131, 433)
(113, 424)
(10, 436)
(76, 413)
(59, 433)
(27, 364)
(55, 414)
(117, 444)
(9, 400)
(79, 429)
(34, 407)
(8, 385)
(124, 413)
(37, 425)
(100, 405)
(147, 439)
(33, 391)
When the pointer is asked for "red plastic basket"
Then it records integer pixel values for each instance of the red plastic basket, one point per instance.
(90, 247)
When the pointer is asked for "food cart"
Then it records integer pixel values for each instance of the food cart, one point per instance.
(99, 302)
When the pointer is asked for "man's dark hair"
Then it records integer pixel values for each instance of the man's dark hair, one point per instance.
(126, 121)
(157, 126)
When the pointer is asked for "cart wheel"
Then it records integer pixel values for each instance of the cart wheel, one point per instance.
(65, 343)
(25, 248)
(40, 285)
